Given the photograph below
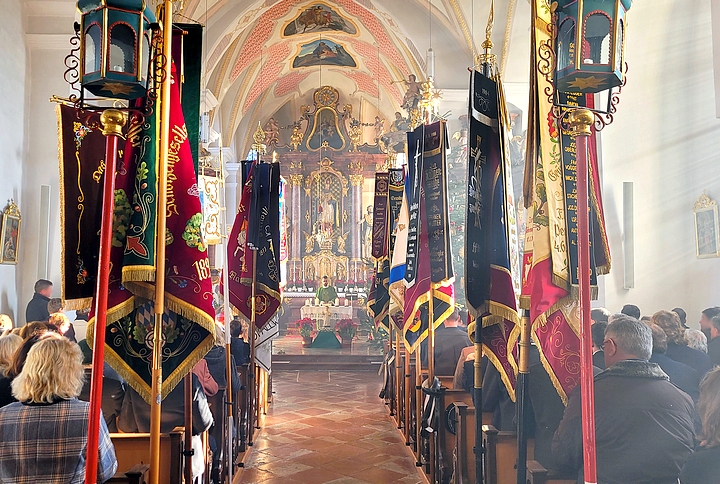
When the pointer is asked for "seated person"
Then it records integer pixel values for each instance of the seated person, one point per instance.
(63, 324)
(8, 346)
(450, 340)
(43, 436)
(326, 294)
(703, 466)
(113, 392)
(217, 362)
(239, 347)
(681, 375)
(644, 424)
(597, 330)
(135, 416)
(677, 343)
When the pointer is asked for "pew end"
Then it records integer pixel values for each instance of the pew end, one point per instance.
(537, 474)
(137, 474)
(132, 449)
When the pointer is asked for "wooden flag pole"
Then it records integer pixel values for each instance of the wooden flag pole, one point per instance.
(252, 383)
(112, 121)
(418, 408)
(155, 404)
(188, 417)
(431, 377)
(407, 394)
(580, 121)
(522, 396)
(401, 409)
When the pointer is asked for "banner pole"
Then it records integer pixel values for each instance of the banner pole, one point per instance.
(159, 307)
(230, 455)
(431, 377)
(580, 121)
(398, 381)
(522, 395)
(418, 408)
(407, 393)
(251, 371)
(188, 416)
(112, 123)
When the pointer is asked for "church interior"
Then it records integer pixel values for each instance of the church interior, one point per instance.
(329, 90)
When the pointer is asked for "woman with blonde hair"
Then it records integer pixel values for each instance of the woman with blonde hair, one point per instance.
(677, 343)
(703, 466)
(43, 436)
(8, 347)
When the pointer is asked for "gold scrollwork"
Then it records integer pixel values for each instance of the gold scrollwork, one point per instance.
(357, 180)
(295, 180)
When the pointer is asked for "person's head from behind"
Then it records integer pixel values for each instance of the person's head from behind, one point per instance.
(53, 371)
(631, 310)
(597, 331)
(44, 287)
(696, 339)
(659, 339)
(36, 327)
(599, 315)
(627, 339)
(706, 317)
(55, 305)
(61, 321)
(715, 326)
(235, 328)
(708, 408)
(82, 314)
(453, 321)
(670, 323)
(682, 315)
(5, 322)
(8, 347)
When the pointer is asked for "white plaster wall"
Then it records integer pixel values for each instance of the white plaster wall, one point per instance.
(665, 139)
(12, 85)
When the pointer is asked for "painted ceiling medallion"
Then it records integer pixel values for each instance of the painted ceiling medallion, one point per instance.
(323, 52)
(318, 18)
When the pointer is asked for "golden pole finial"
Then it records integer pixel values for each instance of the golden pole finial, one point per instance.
(259, 138)
(486, 58)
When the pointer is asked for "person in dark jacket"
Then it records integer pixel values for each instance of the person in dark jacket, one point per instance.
(217, 362)
(714, 340)
(703, 467)
(239, 347)
(677, 346)
(450, 340)
(597, 330)
(37, 308)
(681, 375)
(706, 318)
(644, 424)
(113, 392)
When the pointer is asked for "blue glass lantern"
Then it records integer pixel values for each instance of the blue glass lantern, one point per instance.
(115, 47)
(590, 58)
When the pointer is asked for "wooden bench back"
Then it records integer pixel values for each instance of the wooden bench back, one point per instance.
(501, 455)
(134, 448)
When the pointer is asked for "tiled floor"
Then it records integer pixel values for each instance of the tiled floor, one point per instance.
(328, 427)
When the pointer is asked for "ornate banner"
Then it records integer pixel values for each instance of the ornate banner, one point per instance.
(415, 146)
(399, 256)
(81, 152)
(380, 216)
(490, 289)
(188, 321)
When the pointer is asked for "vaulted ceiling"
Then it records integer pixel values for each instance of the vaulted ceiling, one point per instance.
(264, 56)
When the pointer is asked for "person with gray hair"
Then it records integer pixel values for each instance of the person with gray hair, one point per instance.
(696, 339)
(644, 424)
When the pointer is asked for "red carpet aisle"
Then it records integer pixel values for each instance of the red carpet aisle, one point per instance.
(328, 427)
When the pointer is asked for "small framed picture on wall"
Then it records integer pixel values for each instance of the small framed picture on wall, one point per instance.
(10, 234)
(707, 236)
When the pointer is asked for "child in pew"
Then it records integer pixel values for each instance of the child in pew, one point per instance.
(135, 416)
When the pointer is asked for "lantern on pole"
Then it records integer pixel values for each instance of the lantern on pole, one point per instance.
(589, 46)
(115, 47)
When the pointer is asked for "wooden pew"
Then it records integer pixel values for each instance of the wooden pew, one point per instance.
(216, 403)
(501, 455)
(537, 474)
(134, 448)
(464, 459)
(138, 474)
(242, 404)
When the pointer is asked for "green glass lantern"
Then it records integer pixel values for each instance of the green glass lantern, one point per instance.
(115, 47)
(590, 58)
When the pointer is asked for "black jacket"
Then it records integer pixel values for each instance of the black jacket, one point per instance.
(702, 467)
(449, 343)
(217, 366)
(690, 356)
(113, 393)
(681, 375)
(644, 426)
(714, 351)
(37, 309)
(135, 414)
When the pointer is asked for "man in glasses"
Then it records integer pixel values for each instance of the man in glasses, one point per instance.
(643, 423)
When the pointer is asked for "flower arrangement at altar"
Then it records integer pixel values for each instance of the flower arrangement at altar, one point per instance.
(346, 328)
(305, 326)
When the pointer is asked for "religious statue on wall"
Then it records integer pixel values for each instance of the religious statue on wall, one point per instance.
(272, 133)
(366, 232)
(413, 94)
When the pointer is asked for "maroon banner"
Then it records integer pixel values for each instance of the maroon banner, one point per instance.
(380, 215)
